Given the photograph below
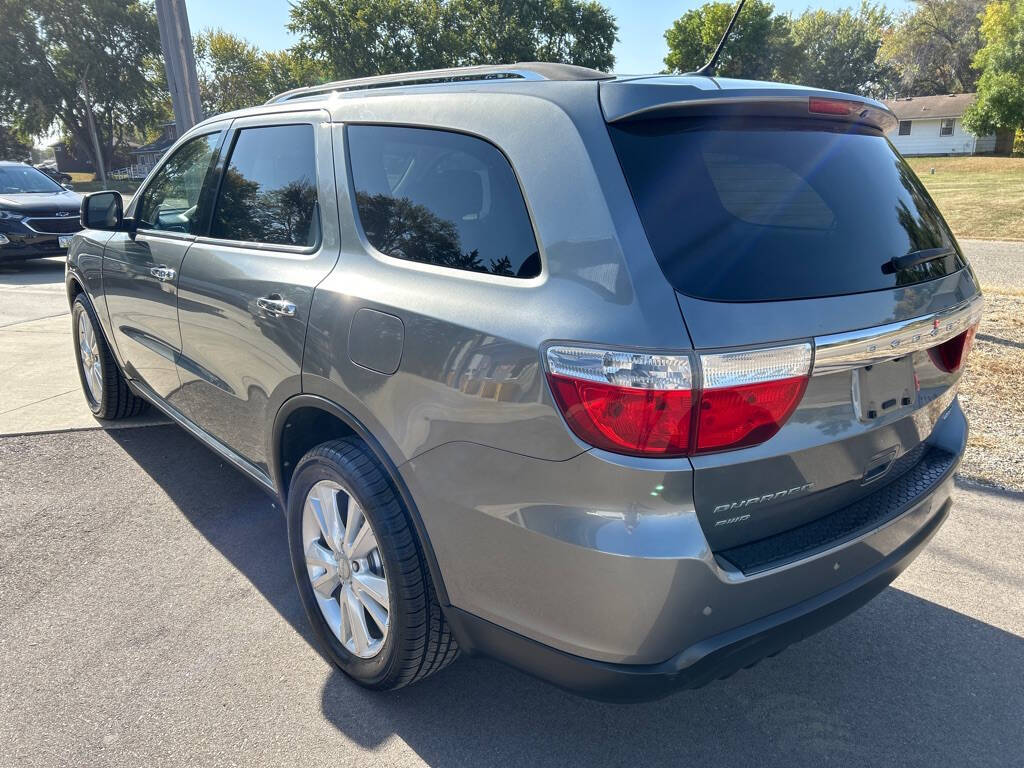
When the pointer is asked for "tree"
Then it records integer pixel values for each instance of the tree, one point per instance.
(356, 38)
(839, 50)
(14, 145)
(86, 65)
(1000, 102)
(759, 48)
(932, 48)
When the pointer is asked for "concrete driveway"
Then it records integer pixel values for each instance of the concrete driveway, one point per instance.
(149, 618)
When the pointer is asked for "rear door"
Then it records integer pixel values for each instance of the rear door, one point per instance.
(247, 283)
(783, 229)
(141, 269)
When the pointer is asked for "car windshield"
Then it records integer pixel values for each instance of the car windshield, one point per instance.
(22, 179)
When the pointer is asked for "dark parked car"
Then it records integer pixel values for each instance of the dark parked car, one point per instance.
(64, 179)
(37, 215)
(628, 382)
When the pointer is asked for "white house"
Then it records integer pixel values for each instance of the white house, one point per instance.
(933, 125)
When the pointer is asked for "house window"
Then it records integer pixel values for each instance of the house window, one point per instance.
(946, 127)
(905, 127)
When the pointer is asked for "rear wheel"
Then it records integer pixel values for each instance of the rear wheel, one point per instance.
(361, 575)
(106, 391)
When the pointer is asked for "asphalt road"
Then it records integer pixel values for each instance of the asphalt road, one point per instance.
(997, 262)
(149, 618)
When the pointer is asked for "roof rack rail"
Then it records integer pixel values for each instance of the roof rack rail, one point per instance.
(529, 70)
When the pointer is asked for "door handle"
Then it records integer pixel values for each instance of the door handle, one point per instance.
(163, 274)
(275, 305)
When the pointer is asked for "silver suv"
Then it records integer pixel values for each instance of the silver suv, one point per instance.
(626, 381)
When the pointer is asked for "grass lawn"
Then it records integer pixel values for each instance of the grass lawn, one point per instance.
(981, 197)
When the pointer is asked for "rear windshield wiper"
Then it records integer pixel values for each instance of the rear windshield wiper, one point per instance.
(912, 259)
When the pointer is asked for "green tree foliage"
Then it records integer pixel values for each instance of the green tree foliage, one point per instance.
(839, 50)
(234, 74)
(58, 56)
(932, 47)
(355, 38)
(14, 145)
(760, 47)
(1000, 102)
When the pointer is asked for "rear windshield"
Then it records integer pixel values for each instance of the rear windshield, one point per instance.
(778, 210)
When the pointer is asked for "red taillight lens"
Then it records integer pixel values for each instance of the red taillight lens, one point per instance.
(632, 421)
(950, 355)
(736, 417)
(643, 404)
(833, 106)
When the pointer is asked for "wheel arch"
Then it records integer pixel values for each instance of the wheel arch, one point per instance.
(314, 420)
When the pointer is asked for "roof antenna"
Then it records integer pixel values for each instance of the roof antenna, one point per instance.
(708, 70)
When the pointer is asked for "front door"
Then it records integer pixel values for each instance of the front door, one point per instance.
(245, 290)
(140, 270)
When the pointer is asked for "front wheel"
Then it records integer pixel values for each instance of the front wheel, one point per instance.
(104, 386)
(361, 575)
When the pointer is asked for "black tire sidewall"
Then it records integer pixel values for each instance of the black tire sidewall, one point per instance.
(81, 305)
(376, 671)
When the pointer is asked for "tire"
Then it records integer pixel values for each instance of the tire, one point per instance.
(417, 640)
(110, 399)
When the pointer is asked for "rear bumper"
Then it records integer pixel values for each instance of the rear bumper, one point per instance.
(618, 596)
(710, 659)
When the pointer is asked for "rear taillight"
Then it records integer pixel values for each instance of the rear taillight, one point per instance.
(950, 355)
(833, 106)
(644, 404)
(634, 403)
(747, 396)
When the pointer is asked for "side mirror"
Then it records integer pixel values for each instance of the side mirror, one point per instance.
(104, 210)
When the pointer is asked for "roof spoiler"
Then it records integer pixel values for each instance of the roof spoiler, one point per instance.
(627, 100)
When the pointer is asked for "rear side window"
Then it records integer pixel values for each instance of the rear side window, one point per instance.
(441, 198)
(778, 209)
(268, 194)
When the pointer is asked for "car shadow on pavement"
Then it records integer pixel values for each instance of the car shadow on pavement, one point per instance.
(228, 509)
(903, 681)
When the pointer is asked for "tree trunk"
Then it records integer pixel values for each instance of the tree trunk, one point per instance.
(90, 119)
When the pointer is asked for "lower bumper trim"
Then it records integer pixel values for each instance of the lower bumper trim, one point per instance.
(702, 663)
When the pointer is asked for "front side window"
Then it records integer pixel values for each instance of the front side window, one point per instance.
(268, 194)
(905, 127)
(171, 200)
(441, 198)
(946, 129)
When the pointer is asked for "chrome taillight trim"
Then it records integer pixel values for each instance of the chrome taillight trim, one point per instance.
(855, 349)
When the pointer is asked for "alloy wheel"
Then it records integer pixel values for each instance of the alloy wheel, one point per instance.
(89, 351)
(345, 569)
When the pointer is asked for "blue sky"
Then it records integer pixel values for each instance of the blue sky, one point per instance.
(642, 23)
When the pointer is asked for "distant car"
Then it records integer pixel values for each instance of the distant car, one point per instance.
(628, 382)
(38, 216)
(64, 179)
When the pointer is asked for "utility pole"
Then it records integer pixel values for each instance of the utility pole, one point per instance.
(179, 59)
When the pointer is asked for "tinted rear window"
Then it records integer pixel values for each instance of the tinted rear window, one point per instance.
(778, 210)
(441, 198)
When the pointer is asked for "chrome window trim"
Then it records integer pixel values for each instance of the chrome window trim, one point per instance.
(855, 349)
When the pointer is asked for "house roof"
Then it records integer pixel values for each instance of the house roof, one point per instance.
(155, 146)
(931, 107)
